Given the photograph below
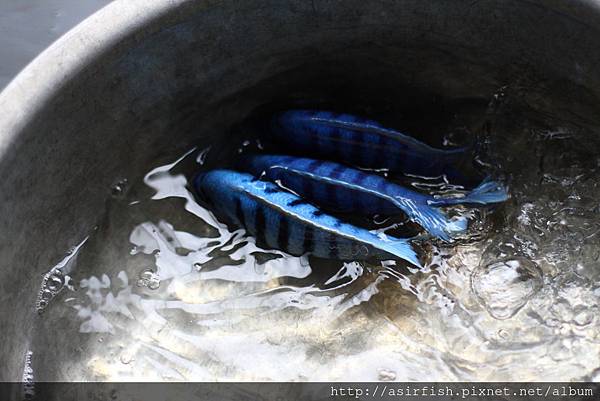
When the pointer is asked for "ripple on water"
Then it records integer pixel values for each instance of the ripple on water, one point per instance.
(163, 291)
(504, 286)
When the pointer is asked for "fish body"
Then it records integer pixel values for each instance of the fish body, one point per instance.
(285, 221)
(344, 189)
(361, 142)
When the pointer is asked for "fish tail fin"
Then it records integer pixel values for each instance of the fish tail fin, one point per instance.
(456, 226)
(402, 249)
(487, 192)
(438, 224)
(433, 220)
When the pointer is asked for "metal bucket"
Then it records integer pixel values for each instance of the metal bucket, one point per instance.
(140, 81)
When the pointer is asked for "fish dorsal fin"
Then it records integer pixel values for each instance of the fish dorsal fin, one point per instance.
(334, 181)
(375, 128)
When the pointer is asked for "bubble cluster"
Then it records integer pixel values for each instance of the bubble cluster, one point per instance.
(503, 287)
(149, 279)
(515, 299)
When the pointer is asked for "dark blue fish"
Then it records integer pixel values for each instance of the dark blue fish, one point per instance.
(361, 142)
(346, 190)
(284, 221)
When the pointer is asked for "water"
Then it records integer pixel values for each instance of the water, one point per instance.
(162, 291)
(504, 286)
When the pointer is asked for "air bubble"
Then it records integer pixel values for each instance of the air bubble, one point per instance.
(149, 279)
(503, 334)
(583, 318)
(386, 375)
(55, 283)
(119, 188)
(46, 295)
(126, 359)
(503, 287)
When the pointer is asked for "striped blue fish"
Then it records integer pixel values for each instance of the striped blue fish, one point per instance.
(347, 190)
(284, 221)
(361, 142)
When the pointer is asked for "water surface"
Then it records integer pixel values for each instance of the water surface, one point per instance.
(162, 291)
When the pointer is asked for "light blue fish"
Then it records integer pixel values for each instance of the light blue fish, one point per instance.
(287, 222)
(362, 142)
(343, 189)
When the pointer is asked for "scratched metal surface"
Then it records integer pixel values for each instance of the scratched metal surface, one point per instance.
(27, 27)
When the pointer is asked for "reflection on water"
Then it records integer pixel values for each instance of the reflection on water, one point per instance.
(163, 291)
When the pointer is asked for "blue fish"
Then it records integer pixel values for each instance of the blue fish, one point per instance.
(347, 190)
(285, 221)
(361, 142)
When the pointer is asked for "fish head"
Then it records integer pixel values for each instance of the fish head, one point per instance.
(285, 123)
